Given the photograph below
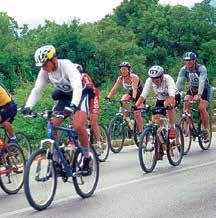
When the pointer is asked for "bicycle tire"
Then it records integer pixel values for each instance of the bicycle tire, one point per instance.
(24, 142)
(37, 160)
(14, 159)
(144, 150)
(79, 180)
(186, 134)
(175, 151)
(105, 144)
(204, 146)
(136, 140)
(117, 138)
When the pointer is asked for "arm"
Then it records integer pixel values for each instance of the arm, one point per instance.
(74, 77)
(36, 92)
(171, 86)
(115, 87)
(180, 79)
(135, 84)
(202, 79)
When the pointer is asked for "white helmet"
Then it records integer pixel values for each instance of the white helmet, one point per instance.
(44, 53)
(156, 71)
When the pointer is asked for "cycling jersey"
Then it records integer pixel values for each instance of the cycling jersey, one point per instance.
(197, 79)
(165, 89)
(5, 97)
(66, 78)
(133, 88)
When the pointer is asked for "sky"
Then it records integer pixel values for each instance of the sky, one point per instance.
(35, 12)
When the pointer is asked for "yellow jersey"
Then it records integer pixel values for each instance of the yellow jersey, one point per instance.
(4, 97)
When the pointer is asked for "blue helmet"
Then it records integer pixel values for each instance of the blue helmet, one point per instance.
(189, 56)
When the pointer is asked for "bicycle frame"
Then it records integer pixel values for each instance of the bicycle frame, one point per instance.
(54, 144)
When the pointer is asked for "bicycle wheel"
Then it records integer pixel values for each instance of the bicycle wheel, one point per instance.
(40, 180)
(186, 134)
(135, 134)
(85, 185)
(117, 133)
(24, 143)
(147, 151)
(12, 165)
(103, 149)
(204, 145)
(175, 148)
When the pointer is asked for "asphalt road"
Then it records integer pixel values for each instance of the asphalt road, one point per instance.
(124, 191)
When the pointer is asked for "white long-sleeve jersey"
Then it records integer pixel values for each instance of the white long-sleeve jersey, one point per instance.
(165, 89)
(66, 78)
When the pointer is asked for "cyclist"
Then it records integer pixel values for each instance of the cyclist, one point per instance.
(198, 89)
(132, 85)
(63, 74)
(167, 95)
(93, 93)
(8, 110)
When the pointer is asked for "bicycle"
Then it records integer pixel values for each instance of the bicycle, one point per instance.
(40, 168)
(192, 130)
(120, 127)
(154, 143)
(12, 165)
(22, 140)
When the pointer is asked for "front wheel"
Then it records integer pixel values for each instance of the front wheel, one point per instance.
(85, 185)
(12, 166)
(40, 180)
(205, 142)
(103, 148)
(148, 151)
(24, 143)
(117, 133)
(175, 148)
(186, 131)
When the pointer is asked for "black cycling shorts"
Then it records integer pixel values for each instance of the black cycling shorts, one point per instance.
(8, 112)
(204, 96)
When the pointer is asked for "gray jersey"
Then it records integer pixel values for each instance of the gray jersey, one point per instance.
(66, 78)
(197, 79)
(165, 89)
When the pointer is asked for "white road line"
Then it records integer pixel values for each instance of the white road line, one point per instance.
(19, 211)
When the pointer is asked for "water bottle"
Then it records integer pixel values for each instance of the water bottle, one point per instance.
(49, 132)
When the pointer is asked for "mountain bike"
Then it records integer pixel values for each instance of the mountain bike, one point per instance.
(12, 165)
(192, 128)
(22, 140)
(40, 181)
(154, 143)
(121, 128)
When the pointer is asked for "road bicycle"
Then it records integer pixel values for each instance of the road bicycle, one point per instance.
(154, 142)
(40, 180)
(22, 140)
(192, 128)
(12, 165)
(121, 128)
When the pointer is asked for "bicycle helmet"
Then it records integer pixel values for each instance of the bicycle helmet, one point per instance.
(44, 53)
(156, 71)
(125, 64)
(189, 56)
(79, 67)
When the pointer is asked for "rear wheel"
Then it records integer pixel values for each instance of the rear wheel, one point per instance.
(203, 142)
(117, 133)
(148, 151)
(85, 185)
(40, 180)
(186, 134)
(12, 166)
(175, 148)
